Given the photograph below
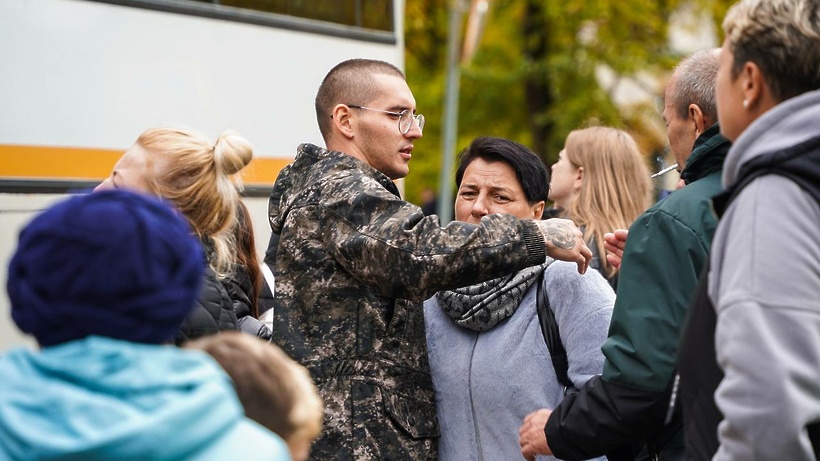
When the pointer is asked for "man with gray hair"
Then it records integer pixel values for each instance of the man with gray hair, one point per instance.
(625, 412)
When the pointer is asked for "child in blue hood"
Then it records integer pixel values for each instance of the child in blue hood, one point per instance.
(103, 281)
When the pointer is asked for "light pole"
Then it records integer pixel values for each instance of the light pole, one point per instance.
(478, 9)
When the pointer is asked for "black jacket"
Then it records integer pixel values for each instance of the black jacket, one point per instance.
(212, 312)
(240, 290)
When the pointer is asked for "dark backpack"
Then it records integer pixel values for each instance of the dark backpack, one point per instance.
(552, 337)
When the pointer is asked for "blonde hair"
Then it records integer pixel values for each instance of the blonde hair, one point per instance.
(616, 187)
(782, 37)
(275, 391)
(201, 180)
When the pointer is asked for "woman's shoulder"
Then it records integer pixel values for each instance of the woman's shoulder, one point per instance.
(212, 311)
(561, 279)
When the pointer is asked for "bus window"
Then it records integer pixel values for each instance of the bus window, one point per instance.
(368, 14)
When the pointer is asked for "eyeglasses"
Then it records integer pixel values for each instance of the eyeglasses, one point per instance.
(405, 118)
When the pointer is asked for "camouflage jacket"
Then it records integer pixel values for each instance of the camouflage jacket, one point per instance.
(354, 262)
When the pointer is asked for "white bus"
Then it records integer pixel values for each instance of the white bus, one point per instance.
(81, 79)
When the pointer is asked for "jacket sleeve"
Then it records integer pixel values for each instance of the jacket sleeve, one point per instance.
(603, 417)
(661, 267)
(373, 224)
(764, 286)
(629, 401)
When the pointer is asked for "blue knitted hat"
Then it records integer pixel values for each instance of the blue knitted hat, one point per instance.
(111, 263)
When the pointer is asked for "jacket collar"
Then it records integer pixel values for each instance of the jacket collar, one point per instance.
(707, 155)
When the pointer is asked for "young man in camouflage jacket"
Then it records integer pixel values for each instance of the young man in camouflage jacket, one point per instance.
(353, 263)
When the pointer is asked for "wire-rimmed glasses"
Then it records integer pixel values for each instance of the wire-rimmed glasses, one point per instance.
(406, 117)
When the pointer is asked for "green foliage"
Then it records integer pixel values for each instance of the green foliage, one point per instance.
(534, 77)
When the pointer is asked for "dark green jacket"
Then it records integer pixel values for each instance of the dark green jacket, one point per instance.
(667, 248)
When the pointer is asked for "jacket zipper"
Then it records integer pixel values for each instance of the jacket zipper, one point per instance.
(479, 450)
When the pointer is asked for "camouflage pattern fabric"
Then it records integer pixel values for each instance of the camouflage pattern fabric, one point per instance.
(353, 264)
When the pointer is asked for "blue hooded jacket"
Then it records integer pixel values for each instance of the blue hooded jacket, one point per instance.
(101, 399)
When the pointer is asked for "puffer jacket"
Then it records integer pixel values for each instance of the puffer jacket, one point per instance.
(212, 312)
(240, 290)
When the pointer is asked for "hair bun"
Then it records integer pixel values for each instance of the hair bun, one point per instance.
(232, 152)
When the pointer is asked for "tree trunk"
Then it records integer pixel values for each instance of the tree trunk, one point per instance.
(537, 88)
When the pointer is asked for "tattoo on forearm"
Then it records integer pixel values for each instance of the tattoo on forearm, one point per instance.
(561, 237)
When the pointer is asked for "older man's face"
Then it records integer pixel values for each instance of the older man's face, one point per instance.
(682, 132)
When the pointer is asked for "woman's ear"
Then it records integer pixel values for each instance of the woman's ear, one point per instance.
(538, 210)
(579, 178)
(752, 84)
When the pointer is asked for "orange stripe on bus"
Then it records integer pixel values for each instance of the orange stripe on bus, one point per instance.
(49, 162)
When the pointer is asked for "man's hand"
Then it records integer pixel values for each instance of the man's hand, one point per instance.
(531, 435)
(565, 242)
(615, 242)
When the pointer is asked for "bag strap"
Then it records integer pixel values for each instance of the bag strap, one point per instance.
(552, 337)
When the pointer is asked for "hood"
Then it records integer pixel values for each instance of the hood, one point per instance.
(313, 165)
(787, 124)
(291, 178)
(99, 398)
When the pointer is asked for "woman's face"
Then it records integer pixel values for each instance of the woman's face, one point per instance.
(734, 118)
(130, 172)
(565, 181)
(490, 188)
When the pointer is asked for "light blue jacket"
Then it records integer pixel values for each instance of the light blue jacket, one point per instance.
(486, 383)
(103, 399)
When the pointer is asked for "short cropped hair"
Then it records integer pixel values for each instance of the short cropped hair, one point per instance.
(695, 84)
(782, 37)
(349, 82)
(529, 169)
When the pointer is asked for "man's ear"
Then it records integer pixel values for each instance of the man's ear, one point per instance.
(698, 120)
(342, 121)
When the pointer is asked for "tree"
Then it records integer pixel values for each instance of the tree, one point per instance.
(538, 72)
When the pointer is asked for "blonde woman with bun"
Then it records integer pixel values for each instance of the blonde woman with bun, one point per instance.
(602, 183)
(201, 178)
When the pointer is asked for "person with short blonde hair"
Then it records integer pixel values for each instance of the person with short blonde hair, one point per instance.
(276, 392)
(749, 360)
(601, 182)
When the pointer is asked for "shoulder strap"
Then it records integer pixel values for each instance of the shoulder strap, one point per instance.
(552, 337)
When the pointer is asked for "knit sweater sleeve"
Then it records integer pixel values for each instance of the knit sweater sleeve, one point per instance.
(582, 305)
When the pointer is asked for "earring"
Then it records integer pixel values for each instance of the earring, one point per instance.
(745, 103)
